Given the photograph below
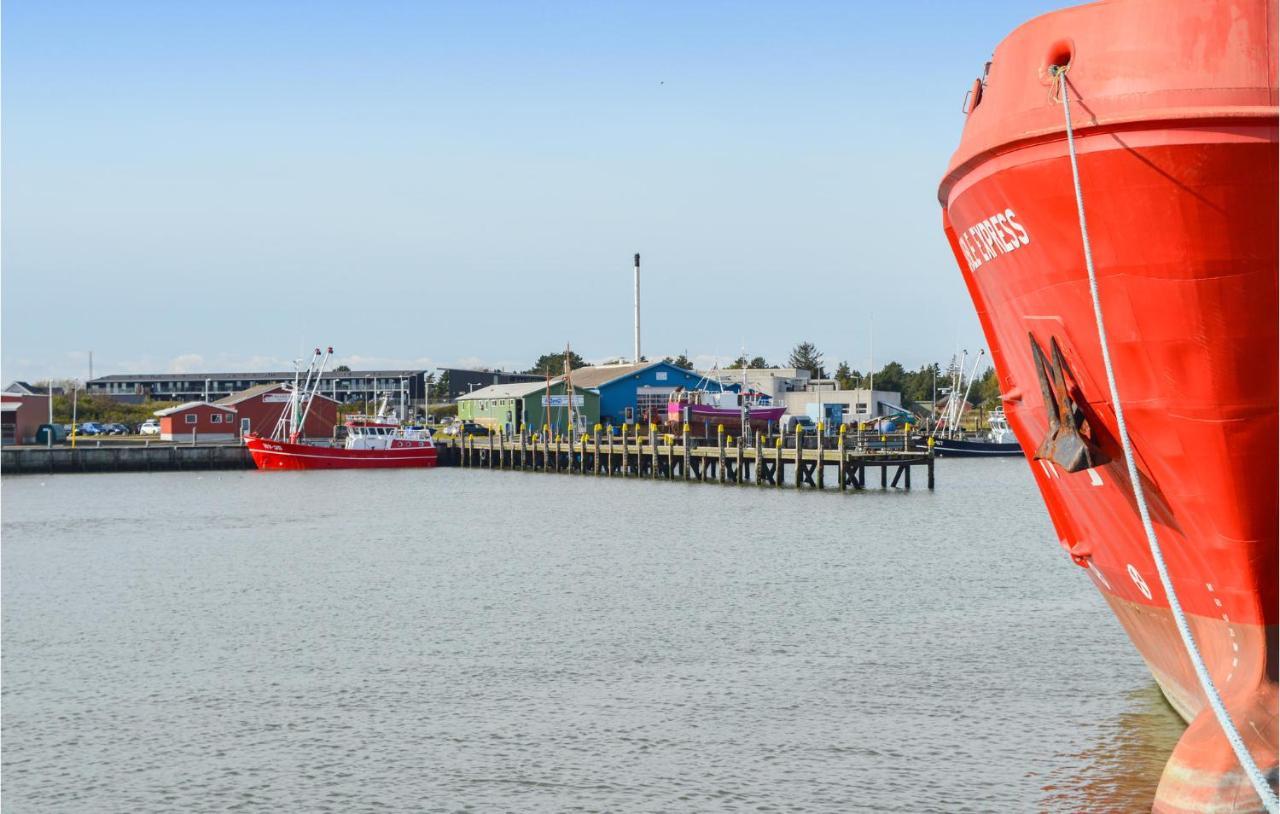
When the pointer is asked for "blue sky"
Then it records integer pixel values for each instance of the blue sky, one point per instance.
(205, 186)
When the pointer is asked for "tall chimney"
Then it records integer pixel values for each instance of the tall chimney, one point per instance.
(637, 356)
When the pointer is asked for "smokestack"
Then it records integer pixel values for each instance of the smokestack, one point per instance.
(637, 356)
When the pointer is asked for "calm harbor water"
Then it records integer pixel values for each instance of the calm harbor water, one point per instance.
(457, 640)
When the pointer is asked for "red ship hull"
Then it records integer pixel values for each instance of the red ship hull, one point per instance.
(1178, 165)
(268, 454)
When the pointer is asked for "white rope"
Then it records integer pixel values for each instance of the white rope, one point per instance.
(1259, 781)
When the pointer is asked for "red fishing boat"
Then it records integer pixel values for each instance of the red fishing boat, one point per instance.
(1113, 209)
(372, 442)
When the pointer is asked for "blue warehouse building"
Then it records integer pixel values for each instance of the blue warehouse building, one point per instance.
(635, 393)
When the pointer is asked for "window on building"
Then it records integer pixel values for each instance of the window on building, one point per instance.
(652, 402)
(862, 406)
(191, 418)
(660, 375)
(216, 418)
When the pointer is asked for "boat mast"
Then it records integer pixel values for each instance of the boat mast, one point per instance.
(957, 380)
(742, 397)
(315, 387)
(546, 403)
(568, 389)
(973, 374)
(293, 398)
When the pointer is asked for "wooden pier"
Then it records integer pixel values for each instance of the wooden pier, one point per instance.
(848, 461)
(777, 461)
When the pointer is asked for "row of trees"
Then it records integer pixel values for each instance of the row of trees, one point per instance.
(103, 409)
(921, 386)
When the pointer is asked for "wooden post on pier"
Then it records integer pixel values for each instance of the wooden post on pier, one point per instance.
(546, 447)
(671, 456)
(759, 460)
(523, 449)
(737, 460)
(844, 481)
(930, 477)
(778, 469)
(624, 451)
(799, 456)
(822, 429)
(720, 452)
(685, 452)
(653, 450)
(595, 458)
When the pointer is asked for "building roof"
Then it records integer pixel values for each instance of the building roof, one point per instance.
(489, 371)
(255, 391)
(190, 404)
(600, 375)
(277, 376)
(10, 406)
(28, 389)
(517, 390)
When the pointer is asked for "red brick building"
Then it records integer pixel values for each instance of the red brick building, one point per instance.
(209, 422)
(258, 409)
(21, 415)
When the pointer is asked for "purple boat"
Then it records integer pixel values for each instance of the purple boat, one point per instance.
(705, 410)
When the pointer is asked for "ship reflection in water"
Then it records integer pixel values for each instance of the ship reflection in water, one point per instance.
(1120, 770)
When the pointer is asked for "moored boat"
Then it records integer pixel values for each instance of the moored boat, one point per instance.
(997, 442)
(706, 409)
(1132, 249)
(372, 442)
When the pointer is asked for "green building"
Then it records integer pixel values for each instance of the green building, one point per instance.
(507, 407)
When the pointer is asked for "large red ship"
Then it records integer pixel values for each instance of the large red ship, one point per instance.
(1173, 128)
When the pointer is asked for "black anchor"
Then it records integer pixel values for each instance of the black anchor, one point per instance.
(1065, 444)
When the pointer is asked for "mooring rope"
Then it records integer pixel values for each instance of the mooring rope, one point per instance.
(1260, 784)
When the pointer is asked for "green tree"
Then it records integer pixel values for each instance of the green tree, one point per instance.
(805, 356)
(553, 363)
(439, 387)
(920, 383)
(104, 409)
(342, 369)
(681, 361)
(986, 391)
(891, 378)
(846, 377)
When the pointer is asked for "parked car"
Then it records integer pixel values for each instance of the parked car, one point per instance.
(90, 428)
(788, 423)
(464, 428)
(115, 428)
(149, 427)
